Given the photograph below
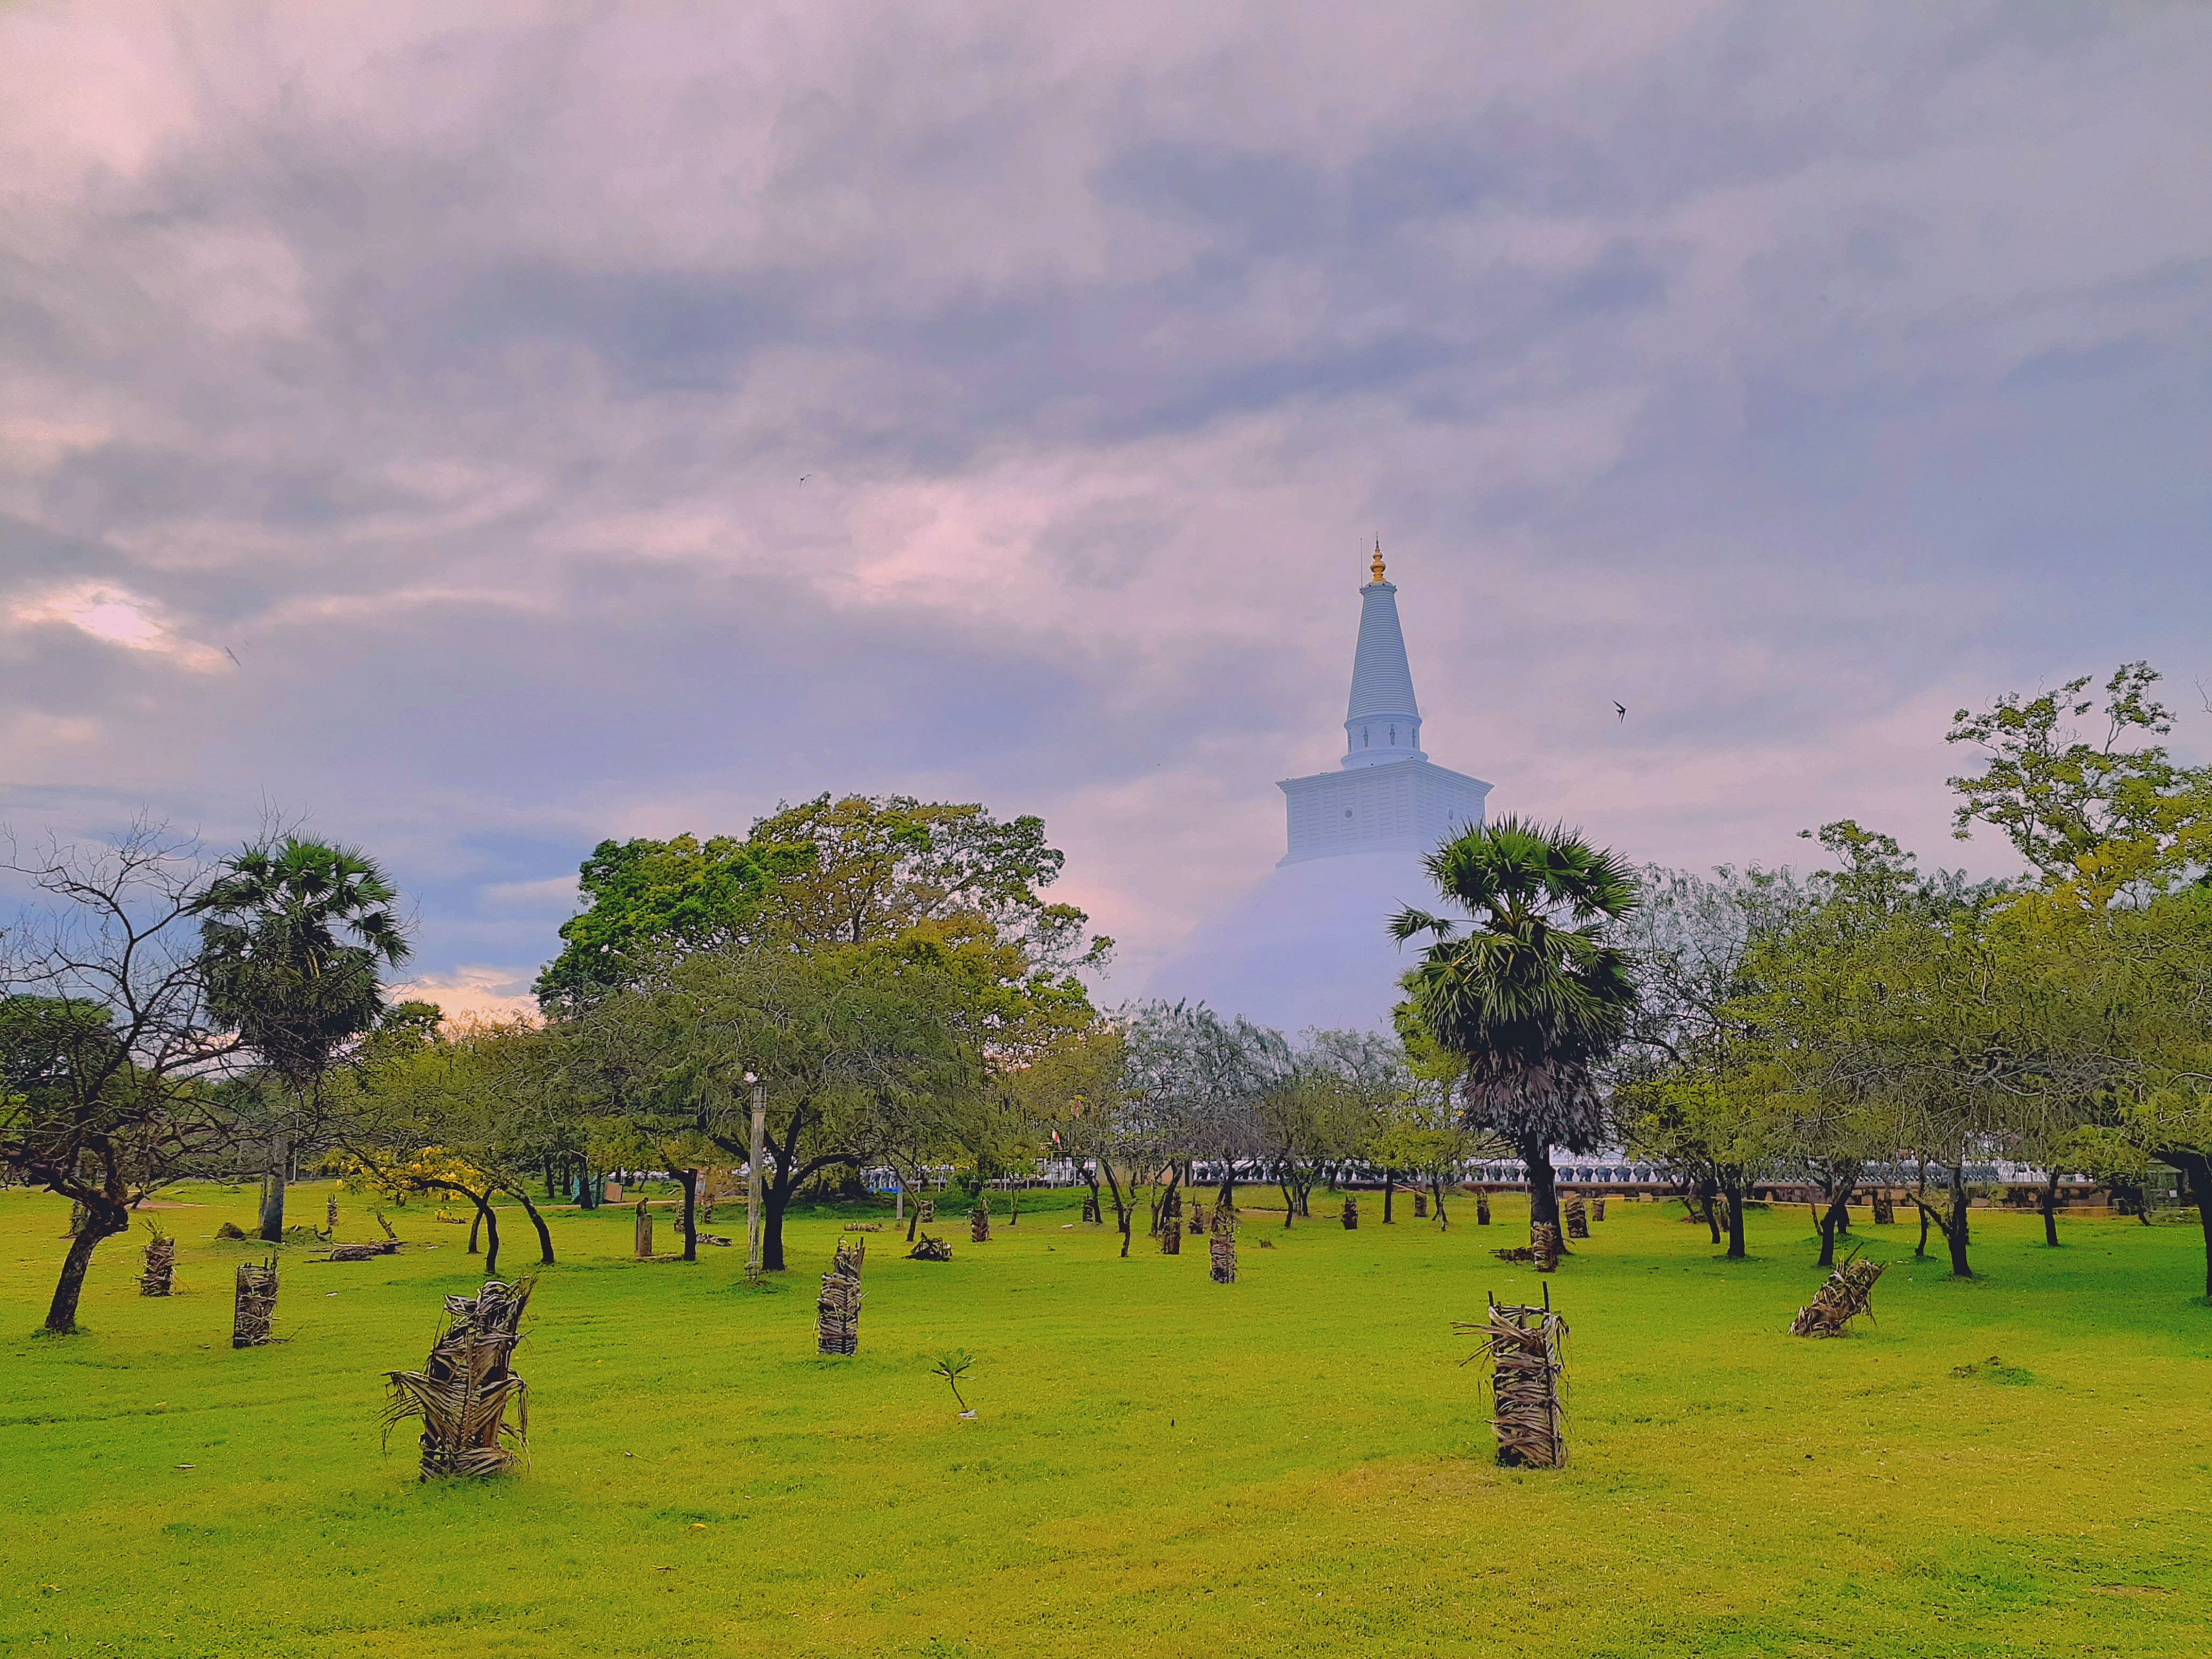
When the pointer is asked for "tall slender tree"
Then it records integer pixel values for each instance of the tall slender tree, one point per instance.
(294, 934)
(1525, 991)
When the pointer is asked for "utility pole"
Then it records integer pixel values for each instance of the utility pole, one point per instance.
(753, 1177)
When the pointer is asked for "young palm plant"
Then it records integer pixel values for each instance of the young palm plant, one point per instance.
(1524, 994)
(293, 934)
(952, 1367)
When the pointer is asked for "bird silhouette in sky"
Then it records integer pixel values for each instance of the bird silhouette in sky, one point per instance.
(233, 655)
(1621, 710)
(804, 476)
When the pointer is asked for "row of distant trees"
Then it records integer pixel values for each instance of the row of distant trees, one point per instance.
(888, 976)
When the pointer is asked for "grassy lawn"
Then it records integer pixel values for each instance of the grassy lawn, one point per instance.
(1159, 1465)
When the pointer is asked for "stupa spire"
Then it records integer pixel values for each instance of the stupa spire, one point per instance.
(1382, 722)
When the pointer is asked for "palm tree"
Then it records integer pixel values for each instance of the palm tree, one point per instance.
(281, 972)
(1528, 999)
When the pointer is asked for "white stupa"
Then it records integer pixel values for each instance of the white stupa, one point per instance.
(1308, 947)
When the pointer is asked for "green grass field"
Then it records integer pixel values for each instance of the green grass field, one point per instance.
(1159, 1465)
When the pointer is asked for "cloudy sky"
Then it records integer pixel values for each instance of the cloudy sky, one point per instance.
(403, 421)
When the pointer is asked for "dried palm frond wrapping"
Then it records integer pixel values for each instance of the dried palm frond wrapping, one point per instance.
(837, 1311)
(1577, 1220)
(462, 1394)
(1526, 1347)
(255, 1308)
(1171, 1235)
(1482, 1209)
(929, 1209)
(1420, 1206)
(1885, 1211)
(1350, 1213)
(1090, 1209)
(1848, 1293)
(1597, 1209)
(930, 1250)
(1224, 1220)
(979, 1224)
(1223, 1247)
(644, 1232)
(362, 1252)
(160, 1275)
(1198, 1220)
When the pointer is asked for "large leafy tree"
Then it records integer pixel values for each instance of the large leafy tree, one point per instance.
(294, 933)
(1523, 988)
(880, 866)
(649, 901)
(2099, 816)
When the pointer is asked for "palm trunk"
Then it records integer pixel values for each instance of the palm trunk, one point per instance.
(272, 1193)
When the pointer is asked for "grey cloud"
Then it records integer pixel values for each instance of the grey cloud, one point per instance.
(1754, 375)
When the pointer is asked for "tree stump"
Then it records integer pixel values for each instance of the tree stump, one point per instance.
(1544, 1246)
(1482, 1209)
(837, 1311)
(1171, 1235)
(1577, 1220)
(1090, 1208)
(1885, 1212)
(462, 1394)
(1223, 1247)
(1597, 1209)
(255, 1308)
(644, 1232)
(979, 1224)
(1420, 1206)
(929, 1209)
(160, 1275)
(1350, 1213)
(1198, 1220)
(1526, 1347)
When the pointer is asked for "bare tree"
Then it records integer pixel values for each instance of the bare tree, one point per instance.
(110, 1074)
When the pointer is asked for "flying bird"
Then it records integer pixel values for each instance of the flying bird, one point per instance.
(1621, 710)
(804, 476)
(233, 655)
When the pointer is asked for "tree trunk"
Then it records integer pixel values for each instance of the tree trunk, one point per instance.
(588, 1189)
(1956, 1233)
(2198, 1166)
(1389, 1187)
(1833, 1224)
(1732, 1193)
(690, 1180)
(476, 1232)
(1708, 1193)
(61, 1315)
(544, 1237)
(2050, 1206)
(272, 1194)
(1443, 1221)
(774, 1198)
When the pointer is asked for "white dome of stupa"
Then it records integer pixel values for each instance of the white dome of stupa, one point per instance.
(1308, 946)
